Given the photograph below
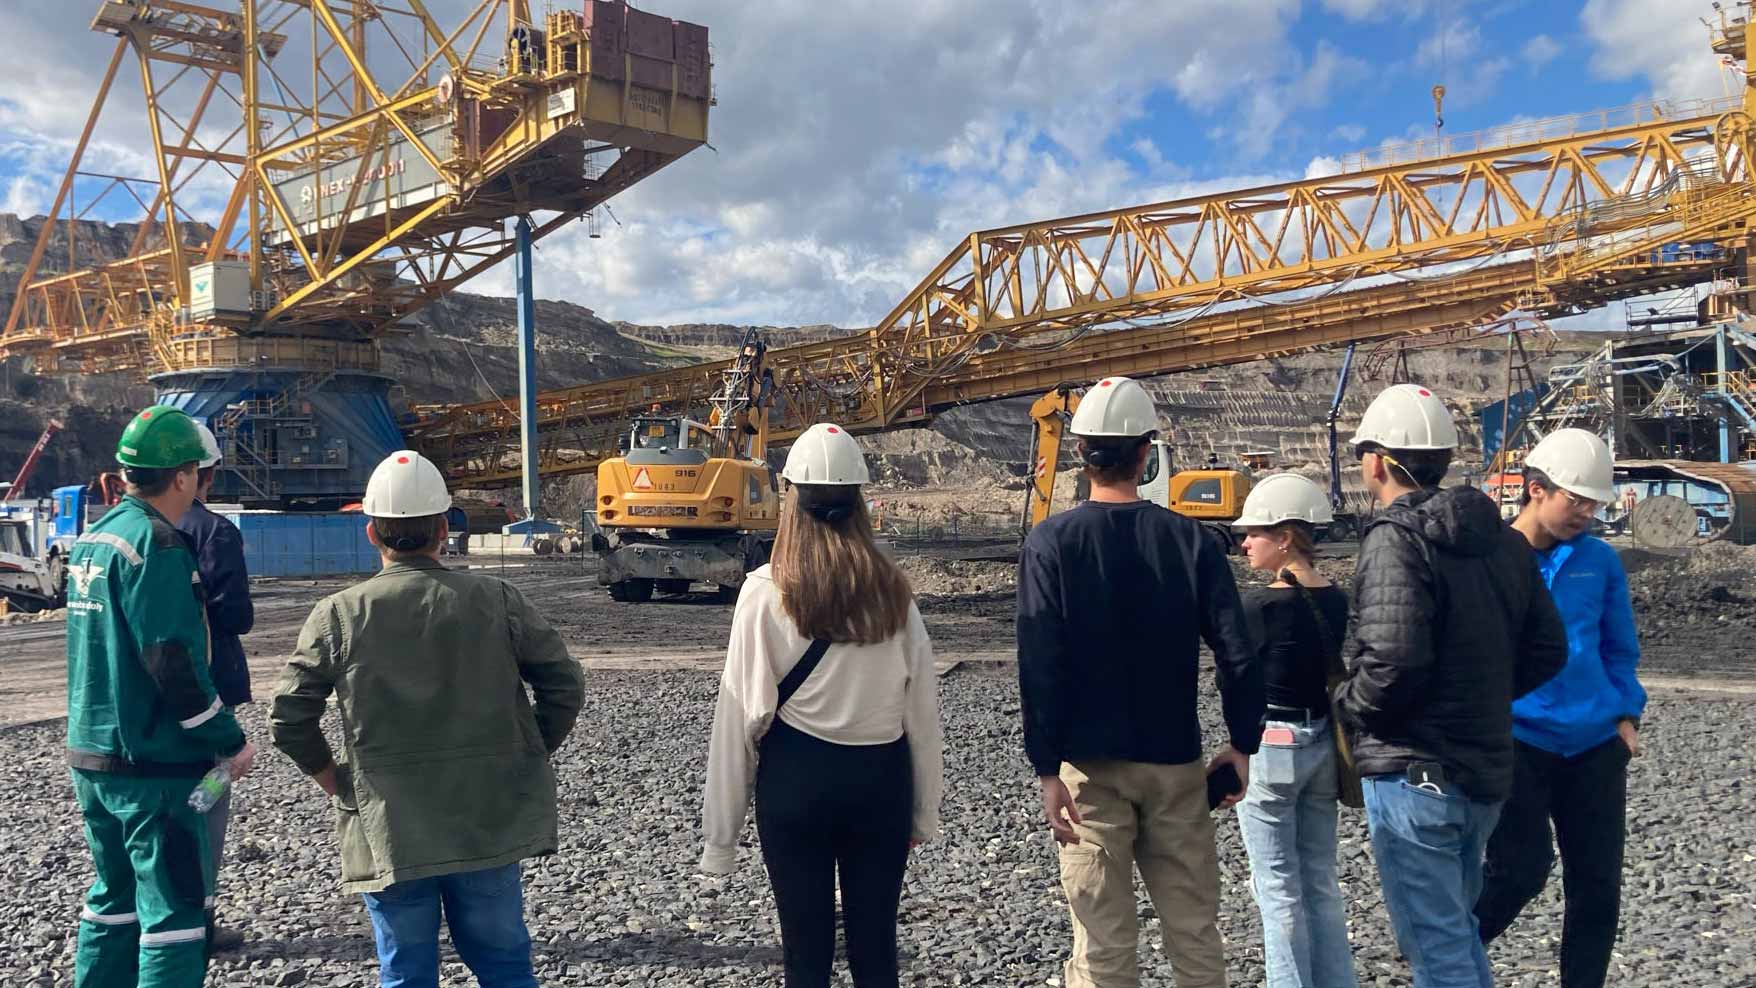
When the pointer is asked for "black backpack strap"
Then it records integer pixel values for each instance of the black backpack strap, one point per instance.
(796, 678)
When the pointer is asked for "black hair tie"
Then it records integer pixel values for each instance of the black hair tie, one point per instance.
(831, 513)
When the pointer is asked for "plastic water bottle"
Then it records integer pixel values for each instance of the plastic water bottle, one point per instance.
(208, 791)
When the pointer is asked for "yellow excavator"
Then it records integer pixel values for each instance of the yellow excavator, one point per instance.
(1214, 496)
(691, 502)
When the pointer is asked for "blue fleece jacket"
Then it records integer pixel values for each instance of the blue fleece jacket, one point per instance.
(1581, 708)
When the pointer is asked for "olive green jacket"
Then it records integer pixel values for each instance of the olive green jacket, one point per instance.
(447, 762)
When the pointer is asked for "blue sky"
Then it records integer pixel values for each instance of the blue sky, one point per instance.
(856, 143)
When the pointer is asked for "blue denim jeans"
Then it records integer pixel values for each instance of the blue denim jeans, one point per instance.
(1429, 849)
(485, 912)
(1288, 818)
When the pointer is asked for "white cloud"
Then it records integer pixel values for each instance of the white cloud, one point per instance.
(1660, 40)
(1271, 102)
(1323, 166)
(1361, 10)
(856, 143)
(1455, 56)
(1540, 51)
(1349, 133)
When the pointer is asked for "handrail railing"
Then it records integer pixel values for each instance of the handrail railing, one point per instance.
(1534, 132)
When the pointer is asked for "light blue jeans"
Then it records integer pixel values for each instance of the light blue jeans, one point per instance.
(1288, 817)
(1429, 848)
(485, 912)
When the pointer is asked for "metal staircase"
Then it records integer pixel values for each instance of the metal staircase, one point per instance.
(1737, 391)
(249, 430)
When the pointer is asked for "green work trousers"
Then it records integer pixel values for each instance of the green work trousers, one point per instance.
(144, 924)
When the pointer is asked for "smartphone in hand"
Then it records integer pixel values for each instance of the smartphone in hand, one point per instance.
(1222, 782)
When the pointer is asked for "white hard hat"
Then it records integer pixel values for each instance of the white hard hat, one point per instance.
(826, 454)
(1285, 497)
(1407, 416)
(209, 445)
(406, 485)
(1578, 461)
(1115, 406)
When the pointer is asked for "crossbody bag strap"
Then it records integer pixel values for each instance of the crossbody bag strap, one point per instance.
(1331, 641)
(795, 678)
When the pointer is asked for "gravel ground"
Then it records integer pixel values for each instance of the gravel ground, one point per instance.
(622, 905)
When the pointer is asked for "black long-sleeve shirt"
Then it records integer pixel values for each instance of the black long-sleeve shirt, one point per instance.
(1295, 649)
(1113, 602)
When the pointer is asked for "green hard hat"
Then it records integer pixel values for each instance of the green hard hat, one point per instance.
(158, 438)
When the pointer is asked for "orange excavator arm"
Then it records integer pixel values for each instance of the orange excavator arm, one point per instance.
(1051, 414)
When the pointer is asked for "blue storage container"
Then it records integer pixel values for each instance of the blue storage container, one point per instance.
(294, 544)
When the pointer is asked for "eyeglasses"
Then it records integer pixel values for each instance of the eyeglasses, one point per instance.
(1584, 505)
(1389, 461)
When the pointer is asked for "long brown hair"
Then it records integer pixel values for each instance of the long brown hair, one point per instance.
(835, 583)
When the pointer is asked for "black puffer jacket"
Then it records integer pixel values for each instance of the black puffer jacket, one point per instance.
(1452, 622)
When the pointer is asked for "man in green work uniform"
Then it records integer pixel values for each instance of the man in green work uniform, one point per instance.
(143, 721)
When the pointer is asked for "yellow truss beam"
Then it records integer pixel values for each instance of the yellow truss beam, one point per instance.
(1531, 214)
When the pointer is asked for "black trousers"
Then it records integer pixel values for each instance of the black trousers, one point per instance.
(823, 808)
(1585, 796)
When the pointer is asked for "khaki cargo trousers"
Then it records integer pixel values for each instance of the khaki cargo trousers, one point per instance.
(1155, 817)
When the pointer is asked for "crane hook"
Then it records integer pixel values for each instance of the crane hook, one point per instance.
(1438, 107)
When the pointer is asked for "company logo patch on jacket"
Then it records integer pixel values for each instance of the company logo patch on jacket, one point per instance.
(82, 575)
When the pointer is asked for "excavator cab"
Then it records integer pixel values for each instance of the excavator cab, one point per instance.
(673, 439)
(1208, 495)
(1213, 494)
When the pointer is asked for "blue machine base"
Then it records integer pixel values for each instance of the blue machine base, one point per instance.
(323, 447)
(530, 526)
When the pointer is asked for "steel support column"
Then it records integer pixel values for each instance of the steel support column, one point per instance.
(531, 524)
(1725, 417)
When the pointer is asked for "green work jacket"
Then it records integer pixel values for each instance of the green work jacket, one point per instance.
(446, 767)
(139, 697)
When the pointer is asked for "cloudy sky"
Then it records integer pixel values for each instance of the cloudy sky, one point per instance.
(856, 142)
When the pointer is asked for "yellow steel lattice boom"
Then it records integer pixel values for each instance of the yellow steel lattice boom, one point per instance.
(1552, 217)
(373, 167)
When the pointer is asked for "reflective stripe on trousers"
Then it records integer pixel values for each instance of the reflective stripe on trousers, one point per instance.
(144, 924)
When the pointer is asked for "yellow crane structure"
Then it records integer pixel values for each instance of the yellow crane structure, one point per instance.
(362, 161)
(1542, 218)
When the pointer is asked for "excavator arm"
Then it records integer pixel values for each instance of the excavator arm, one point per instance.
(1051, 413)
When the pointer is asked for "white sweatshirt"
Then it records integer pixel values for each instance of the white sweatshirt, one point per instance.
(857, 695)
